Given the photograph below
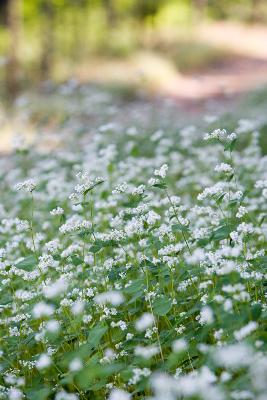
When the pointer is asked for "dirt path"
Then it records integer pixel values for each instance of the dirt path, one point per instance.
(244, 69)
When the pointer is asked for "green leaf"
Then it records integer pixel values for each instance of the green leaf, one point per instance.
(96, 334)
(133, 201)
(161, 185)
(76, 260)
(93, 375)
(180, 228)
(221, 233)
(176, 359)
(95, 248)
(162, 306)
(62, 218)
(92, 187)
(262, 220)
(85, 350)
(28, 263)
(100, 244)
(39, 394)
(136, 286)
(230, 177)
(85, 233)
(230, 145)
(256, 311)
(220, 198)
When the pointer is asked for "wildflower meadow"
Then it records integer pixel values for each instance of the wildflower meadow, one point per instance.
(132, 255)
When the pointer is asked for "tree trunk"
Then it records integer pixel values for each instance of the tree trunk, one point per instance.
(47, 38)
(110, 13)
(255, 15)
(14, 22)
(199, 7)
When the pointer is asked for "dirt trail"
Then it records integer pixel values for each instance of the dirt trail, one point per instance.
(244, 69)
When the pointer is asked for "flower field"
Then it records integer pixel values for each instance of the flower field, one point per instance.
(132, 256)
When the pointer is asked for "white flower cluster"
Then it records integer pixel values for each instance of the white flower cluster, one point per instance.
(75, 223)
(113, 297)
(57, 211)
(87, 183)
(224, 167)
(29, 185)
(162, 172)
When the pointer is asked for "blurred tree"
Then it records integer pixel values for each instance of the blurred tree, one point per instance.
(256, 15)
(219, 9)
(14, 24)
(145, 9)
(3, 12)
(110, 12)
(78, 9)
(199, 8)
(47, 13)
(144, 13)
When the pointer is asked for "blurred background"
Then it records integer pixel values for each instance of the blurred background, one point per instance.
(190, 49)
(79, 63)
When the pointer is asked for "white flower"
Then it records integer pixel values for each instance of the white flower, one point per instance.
(241, 212)
(206, 316)
(75, 365)
(15, 394)
(153, 181)
(120, 324)
(77, 307)
(223, 167)
(152, 217)
(264, 193)
(144, 322)
(52, 326)
(87, 183)
(120, 188)
(52, 246)
(216, 134)
(62, 395)
(113, 297)
(129, 336)
(75, 223)
(119, 394)
(232, 136)
(55, 289)
(234, 355)
(225, 376)
(162, 172)
(228, 305)
(245, 330)
(43, 361)
(146, 352)
(138, 190)
(179, 345)
(46, 261)
(218, 189)
(42, 309)
(138, 374)
(29, 185)
(245, 228)
(57, 211)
